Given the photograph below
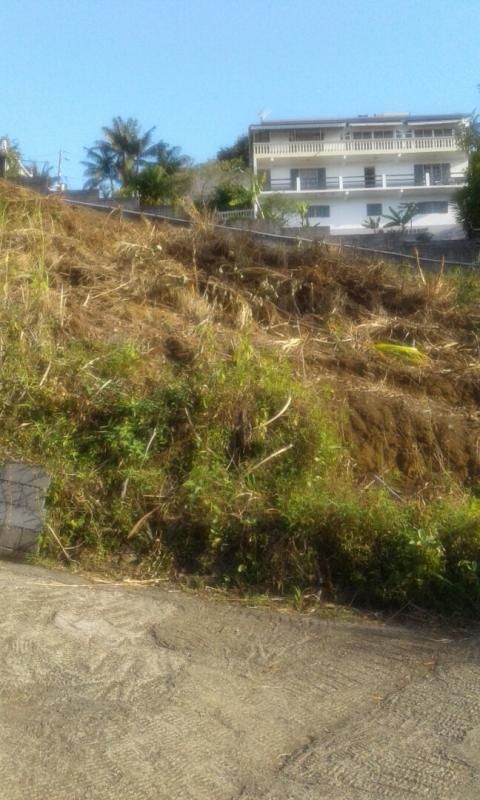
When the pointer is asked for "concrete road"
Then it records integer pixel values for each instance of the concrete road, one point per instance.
(113, 693)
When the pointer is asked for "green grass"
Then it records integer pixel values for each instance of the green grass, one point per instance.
(225, 493)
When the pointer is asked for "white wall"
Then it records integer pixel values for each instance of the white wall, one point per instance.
(347, 215)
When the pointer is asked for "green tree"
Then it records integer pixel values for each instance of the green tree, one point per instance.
(372, 223)
(124, 152)
(131, 146)
(278, 207)
(40, 170)
(468, 197)
(402, 216)
(302, 209)
(14, 166)
(468, 136)
(169, 157)
(154, 185)
(248, 191)
(101, 168)
(239, 151)
(223, 197)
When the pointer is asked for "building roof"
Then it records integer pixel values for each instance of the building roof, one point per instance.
(376, 119)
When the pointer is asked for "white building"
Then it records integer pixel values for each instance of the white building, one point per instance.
(353, 168)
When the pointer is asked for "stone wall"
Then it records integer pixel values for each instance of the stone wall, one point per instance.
(465, 251)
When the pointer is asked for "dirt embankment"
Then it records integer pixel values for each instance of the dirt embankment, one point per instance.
(285, 417)
(419, 420)
(416, 419)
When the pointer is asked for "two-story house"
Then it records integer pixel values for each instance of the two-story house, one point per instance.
(354, 168)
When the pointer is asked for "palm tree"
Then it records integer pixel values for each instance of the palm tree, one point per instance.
(40, 170)
(400, 217)
(247, 192)
(128, 143)
(155, 185)
(101, 166)
(125, 151)
(372, 223)
(167, 156)
(302, 210)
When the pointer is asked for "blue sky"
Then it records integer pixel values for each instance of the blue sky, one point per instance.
(202, 70)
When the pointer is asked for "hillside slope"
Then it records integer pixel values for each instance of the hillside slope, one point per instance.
(288, 419)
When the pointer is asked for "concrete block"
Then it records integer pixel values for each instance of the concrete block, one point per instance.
(22, 502)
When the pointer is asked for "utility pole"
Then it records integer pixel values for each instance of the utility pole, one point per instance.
(59, 173)
(62, 156)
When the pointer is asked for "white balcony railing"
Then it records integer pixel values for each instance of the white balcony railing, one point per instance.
(239, 213)
(361, 182)
(422, 145)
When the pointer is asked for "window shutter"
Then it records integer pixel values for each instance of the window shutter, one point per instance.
(294, 173)
(321, 178)
(418, 173)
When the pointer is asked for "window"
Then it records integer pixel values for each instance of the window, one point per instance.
(318, 211)
(377, 134)
(305, 135)
(439, 174)
(261, 136)
(362, 134)
(433, 207)
(374, 209)
(370, 177)
(309, 178)
(423, 133)
(427, 133)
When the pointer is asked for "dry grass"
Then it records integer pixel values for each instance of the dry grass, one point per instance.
(186, 380)
(338, 321)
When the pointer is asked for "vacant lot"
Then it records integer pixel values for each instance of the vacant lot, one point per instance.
(110, 692)
(289, 420)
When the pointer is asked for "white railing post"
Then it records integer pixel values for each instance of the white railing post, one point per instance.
(384, 181)
(427, 179)
(298, 184)
(340, 182)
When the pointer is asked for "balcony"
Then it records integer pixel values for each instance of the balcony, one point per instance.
(433, 144)
(360, 182)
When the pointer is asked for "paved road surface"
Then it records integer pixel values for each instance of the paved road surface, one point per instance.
(113, 693)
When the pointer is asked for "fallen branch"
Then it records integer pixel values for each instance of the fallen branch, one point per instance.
(138, 525)
(150, 442)
(269, 458)
(62, 548)
(389, 489)
(45, 374)
(277, 416)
